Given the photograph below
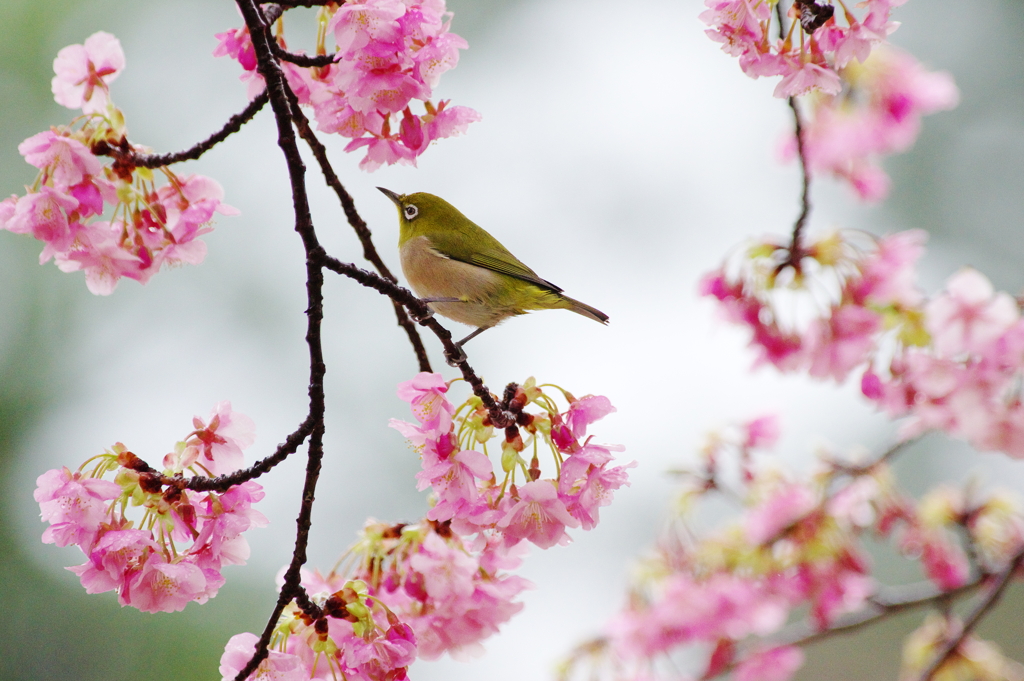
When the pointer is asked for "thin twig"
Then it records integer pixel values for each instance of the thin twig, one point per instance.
(289, 4)
(795, 249)
(987, 601)
(888, 602)
(864, 468)
(233, 125)
(302, 59)
(361, 229)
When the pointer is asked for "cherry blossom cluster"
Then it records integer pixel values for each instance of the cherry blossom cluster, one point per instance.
(147, 226)
(821, 40)
(953, 362)
(172, 552)
(453, 592)
(517, 503)
(387, 53)
(449, 593)
(796, 547)
(355, 636)
(878, 113)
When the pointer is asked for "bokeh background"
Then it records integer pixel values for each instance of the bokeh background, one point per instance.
(621, 155)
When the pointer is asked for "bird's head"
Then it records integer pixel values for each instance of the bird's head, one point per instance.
(422, 213)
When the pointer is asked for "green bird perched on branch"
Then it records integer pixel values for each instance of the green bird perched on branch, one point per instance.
(464, 273)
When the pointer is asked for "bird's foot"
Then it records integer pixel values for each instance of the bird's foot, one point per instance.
(455, 360)
(420, 318)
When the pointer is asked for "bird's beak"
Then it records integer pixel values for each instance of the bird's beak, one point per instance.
(397, 198)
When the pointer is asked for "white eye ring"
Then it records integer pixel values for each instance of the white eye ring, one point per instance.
(411, 212)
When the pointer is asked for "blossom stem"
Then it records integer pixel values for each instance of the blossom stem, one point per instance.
(987, 601)
(795, 253)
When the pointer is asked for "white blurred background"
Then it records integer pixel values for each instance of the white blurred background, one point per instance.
(621, 155)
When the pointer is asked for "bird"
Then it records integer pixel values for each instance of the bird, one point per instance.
(465, 274)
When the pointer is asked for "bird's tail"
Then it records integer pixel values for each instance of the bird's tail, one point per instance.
(585, 310)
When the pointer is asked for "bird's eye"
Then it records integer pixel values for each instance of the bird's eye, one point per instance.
(411, 211)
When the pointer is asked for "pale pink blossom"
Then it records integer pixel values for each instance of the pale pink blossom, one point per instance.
(786, 505)
(84, 72)
(115, 561)
(538, 516)
(74, 505)
(44, 215)
(426, 395)
(775, 664)
(761, 433)
(969, 315)
(66, 160)
(887, 276)
(278, 666)
(162, 586)
(878, 113)
(842, 341)
(808, 76)
(223, 437)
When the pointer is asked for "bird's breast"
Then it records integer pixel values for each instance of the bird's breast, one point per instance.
(432, 274)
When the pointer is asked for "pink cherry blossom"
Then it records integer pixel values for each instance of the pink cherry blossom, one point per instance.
(585, 411)
(115, 561)
(784, 507)
(74, 505)
(44, 215)
(776, 664)
(887, 276)
(84, 72)
(761, 433)
(806, 77)
(222, 439)
(969, 316)
(188, 536)
(162, 586)
(66, 160)
(840, 343)
(426, 395)
(538, 516)
(878, 113)
(390, 54)
(278, 666)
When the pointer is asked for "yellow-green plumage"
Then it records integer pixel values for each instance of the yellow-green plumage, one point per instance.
(444, 255)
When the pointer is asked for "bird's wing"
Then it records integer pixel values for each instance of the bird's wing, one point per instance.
(487, 252)
(506, 263)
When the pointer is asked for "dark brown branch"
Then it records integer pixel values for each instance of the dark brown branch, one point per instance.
(288, 4)
(277, 91)
(985, 604)
(865, 468)
(233, 125)
(361, 229)
(500, 418)
(795, 248)
(889, 602)
(222, 483)
(302, 59)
